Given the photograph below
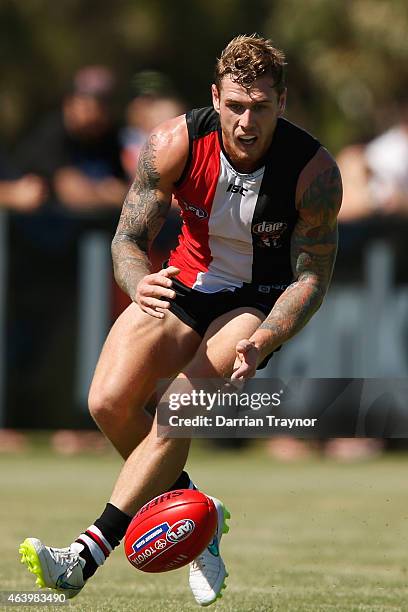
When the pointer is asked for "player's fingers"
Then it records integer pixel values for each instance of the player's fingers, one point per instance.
(157, 291)
(243, 346)
(244, 366)
(239, 369)
(153, 313)
(170, 271)
(243, 372)
(163, 310)
(238, 366)
(151, 302)
(156, 279)
(238, 376)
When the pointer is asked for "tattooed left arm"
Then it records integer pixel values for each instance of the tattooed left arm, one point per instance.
(313, 253)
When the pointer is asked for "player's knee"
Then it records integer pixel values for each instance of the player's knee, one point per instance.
(103, 404)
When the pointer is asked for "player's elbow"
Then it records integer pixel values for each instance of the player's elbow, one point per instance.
(118, 250)
(121, 243)
(320, 294)
(316, 290)
(115, 250)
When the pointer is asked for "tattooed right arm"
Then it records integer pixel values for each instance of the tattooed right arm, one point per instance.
(146, 206)
(142, 216)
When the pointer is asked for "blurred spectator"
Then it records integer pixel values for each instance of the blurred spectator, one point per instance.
(339, 449)
(375, 207)
(353, 449)
(77, 149)
(152, 101)
(375, 202)
(23, 194)
(357, 202)
(375, 175)
(12, 441)
(75, 152)
(387, 163)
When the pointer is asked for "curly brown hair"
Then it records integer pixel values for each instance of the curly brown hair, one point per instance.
(247, 58)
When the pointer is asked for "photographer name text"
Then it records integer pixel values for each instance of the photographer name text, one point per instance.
(268, 420)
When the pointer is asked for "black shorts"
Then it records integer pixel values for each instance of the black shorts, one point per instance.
(198, 309)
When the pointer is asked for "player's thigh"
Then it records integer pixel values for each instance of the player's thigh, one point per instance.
(139, 350)
(216, 353)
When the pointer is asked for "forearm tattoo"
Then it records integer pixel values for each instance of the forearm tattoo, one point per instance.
(142, 216)
(313, 253)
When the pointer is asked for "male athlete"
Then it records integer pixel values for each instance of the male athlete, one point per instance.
(259, 199)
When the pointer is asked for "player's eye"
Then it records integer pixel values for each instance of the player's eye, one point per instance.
(235, 107)
(259, 107)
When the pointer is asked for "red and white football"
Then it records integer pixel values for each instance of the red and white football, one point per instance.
(170, 530)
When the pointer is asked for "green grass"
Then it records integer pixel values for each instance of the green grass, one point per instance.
(313, 536)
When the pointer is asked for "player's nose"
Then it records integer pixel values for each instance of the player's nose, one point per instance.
(246, 119)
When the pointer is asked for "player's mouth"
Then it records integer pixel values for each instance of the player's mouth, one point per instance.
(247, 141)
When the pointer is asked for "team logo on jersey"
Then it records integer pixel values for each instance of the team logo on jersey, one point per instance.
(196, 210)
(269, 233)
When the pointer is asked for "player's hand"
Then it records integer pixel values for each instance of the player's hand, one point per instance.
(245, 361)
(152, 288)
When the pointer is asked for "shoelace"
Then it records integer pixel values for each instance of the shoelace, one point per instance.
(198, 564)
(61, 557)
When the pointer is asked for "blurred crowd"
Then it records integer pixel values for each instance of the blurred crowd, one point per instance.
(375, 202)
(69, 175)
(65, 179)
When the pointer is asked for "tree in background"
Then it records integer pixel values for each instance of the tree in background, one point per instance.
(347, 58)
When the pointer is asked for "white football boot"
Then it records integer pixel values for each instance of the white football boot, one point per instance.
(55, 568)
(207, 571)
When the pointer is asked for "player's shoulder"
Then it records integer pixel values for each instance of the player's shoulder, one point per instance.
(321, 161)
(171, 133)
(168, 143)
(320, 181)
(172, 139)
(202, 121)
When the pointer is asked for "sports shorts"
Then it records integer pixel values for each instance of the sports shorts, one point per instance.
(198, 309)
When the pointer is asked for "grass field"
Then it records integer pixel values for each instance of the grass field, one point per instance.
(313, 536)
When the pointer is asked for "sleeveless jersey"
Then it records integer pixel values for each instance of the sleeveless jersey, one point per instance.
(237, 227)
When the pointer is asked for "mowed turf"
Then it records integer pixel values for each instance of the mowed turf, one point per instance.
(312, 536)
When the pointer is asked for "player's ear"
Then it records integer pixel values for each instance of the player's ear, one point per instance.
(282, 102)
(215, 97)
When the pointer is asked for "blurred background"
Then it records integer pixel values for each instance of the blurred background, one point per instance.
(82, 85)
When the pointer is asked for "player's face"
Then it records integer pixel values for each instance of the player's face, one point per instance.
(248, 119)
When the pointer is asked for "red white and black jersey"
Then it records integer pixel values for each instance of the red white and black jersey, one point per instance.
(237, 227)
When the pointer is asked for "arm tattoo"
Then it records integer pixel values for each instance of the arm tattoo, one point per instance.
(313, 253)
(142, 216)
